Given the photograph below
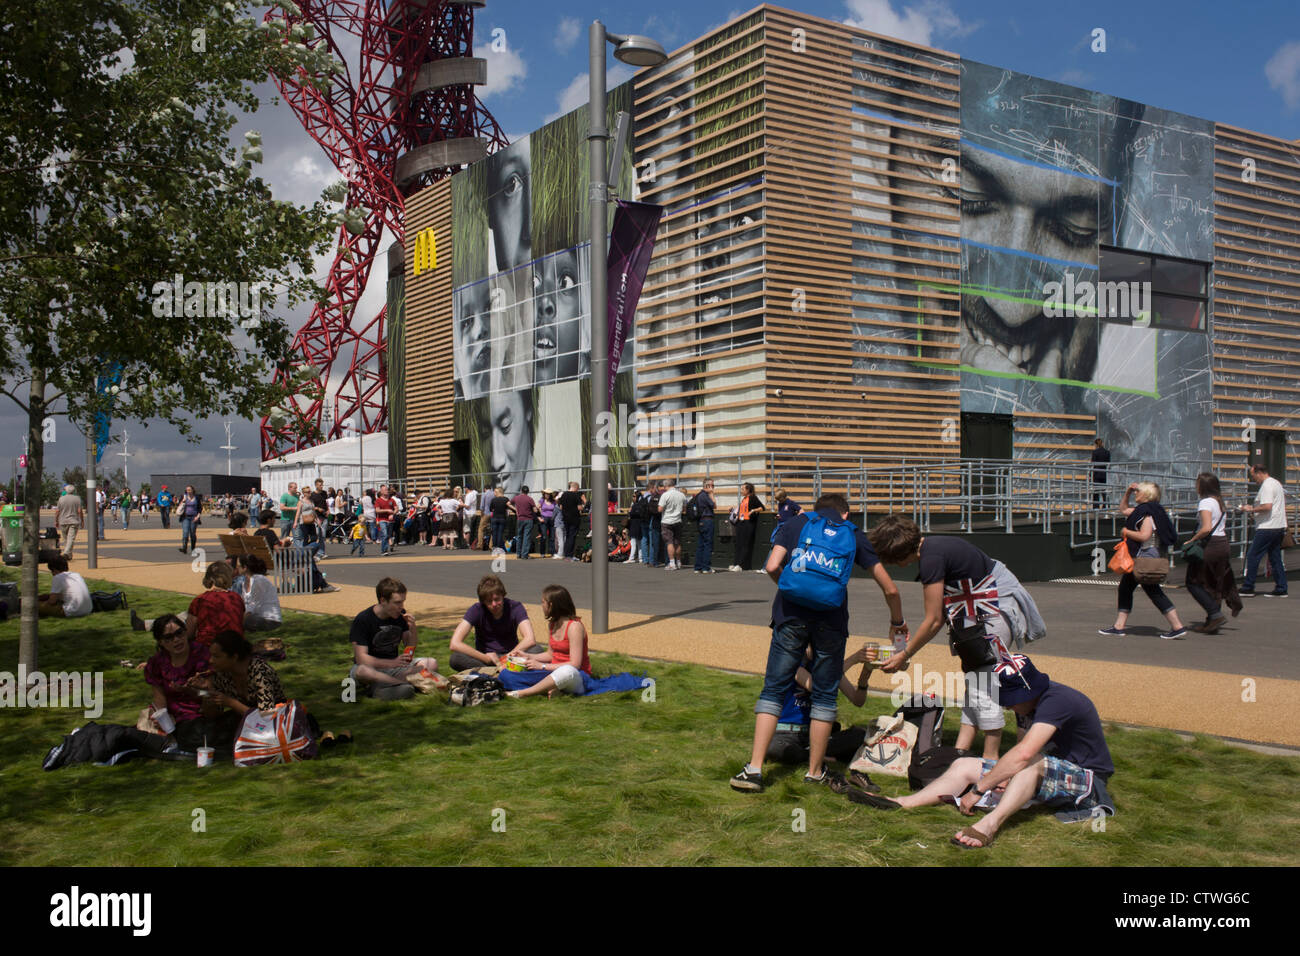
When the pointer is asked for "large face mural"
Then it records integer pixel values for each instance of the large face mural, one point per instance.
(1049, 176)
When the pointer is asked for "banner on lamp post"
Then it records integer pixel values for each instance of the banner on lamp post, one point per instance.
(103, 383)
(631, 242)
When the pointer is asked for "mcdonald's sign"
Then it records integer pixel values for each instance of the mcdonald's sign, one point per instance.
(426, 251)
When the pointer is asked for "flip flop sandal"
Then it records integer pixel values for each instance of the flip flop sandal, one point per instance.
(976, 834)
(344, 737)
(328, 739)
(871, 800)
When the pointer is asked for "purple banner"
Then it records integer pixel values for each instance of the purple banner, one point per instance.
(631, 241)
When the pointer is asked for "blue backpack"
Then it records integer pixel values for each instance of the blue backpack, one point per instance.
(817, 574)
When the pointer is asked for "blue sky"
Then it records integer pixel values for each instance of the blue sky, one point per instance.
(1235, 63)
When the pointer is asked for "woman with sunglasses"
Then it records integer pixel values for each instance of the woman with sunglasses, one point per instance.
(169, 671)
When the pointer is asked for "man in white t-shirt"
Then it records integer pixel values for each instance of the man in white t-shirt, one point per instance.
(671, 503)
(1271, 503)
(69, 596)
(469, 516)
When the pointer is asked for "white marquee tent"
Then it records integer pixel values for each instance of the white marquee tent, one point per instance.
(345, 462)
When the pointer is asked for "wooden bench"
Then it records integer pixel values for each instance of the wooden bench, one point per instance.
(292, 567)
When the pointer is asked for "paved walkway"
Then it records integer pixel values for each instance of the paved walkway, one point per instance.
(1242, 683)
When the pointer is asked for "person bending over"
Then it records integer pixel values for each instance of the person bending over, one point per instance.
(384, 640)
(797, 626)
(1061, 761)
(963, 587)
(500, 625)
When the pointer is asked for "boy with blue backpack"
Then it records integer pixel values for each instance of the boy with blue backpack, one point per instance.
(811, 610)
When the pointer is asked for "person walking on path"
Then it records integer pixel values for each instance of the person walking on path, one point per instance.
(165, 504)
(189, 508)
(1270, 501)
(1147, 530)
(70, 517)
(1209, 576)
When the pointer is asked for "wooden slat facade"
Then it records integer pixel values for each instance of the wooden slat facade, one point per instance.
(1256, 305)
(429, 413)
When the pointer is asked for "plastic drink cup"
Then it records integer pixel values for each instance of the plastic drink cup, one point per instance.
(164, 720)
(206, 755)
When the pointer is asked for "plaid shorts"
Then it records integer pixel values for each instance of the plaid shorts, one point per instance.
(1063, 784)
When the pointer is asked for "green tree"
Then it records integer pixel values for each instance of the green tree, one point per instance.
(117, 172)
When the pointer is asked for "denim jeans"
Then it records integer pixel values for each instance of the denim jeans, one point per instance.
(524, 537)
(1266, 541)
(704, 546)
(786, 656)
(101, 525)
(383, 537)
(189, 540)
(498, 533)
(163, 512)
(650, 544)
(548, 536)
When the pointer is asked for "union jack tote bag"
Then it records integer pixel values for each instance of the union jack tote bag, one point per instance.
(279, 736)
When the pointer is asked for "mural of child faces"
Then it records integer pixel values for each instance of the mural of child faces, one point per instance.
(511, 427)
(512, 329)
(509, 177)
(471, 340)
(561, 324)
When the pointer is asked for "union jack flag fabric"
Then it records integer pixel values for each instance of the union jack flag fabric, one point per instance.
(971, 599)
(280, 736)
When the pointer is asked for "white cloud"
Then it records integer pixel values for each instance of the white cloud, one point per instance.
(575, 94)
(1075, 78)
(918, 23)
(1283, 72)
(566, 34)
(506, 69)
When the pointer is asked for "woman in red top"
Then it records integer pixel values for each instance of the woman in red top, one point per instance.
(216, 609)
(568, 640)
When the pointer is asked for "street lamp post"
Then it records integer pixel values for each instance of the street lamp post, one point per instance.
(637, 51)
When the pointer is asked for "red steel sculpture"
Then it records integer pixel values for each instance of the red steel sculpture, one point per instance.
(411, 117)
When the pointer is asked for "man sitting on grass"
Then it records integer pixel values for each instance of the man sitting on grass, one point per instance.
(1049, 716)
(383, 645)
(69, 596)
(500, 626)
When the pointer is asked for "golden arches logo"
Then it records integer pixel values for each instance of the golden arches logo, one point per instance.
(426, 251)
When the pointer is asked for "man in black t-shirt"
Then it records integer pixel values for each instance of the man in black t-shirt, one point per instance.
(1060, 761)
(383, 645)
(571, 504)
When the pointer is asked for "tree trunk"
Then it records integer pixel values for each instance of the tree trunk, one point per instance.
(27, 641)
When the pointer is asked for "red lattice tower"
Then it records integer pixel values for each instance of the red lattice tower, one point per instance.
(411, 117)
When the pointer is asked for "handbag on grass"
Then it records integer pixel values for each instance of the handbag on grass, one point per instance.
(283, 735)
(889, 748)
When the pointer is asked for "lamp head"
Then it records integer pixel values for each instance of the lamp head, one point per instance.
(637, 50)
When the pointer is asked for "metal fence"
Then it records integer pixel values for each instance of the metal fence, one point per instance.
(966, 495)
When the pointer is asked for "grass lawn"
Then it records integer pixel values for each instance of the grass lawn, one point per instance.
(605, 780)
